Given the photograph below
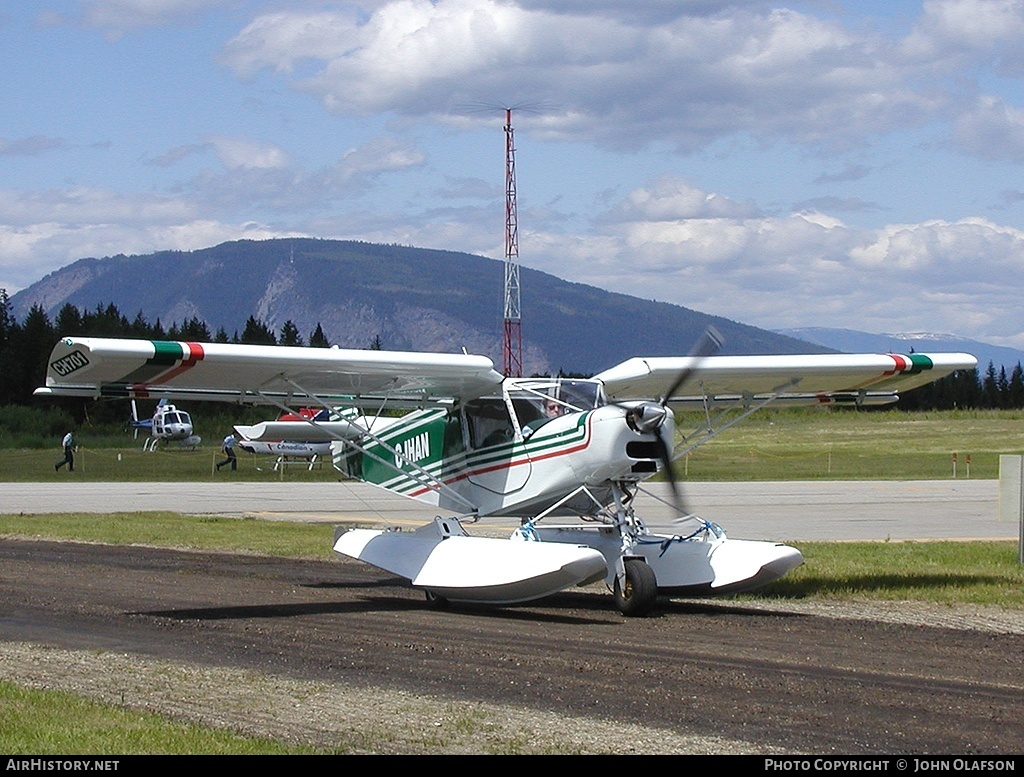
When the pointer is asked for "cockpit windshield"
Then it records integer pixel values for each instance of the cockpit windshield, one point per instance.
(538, 400)
(534, 402)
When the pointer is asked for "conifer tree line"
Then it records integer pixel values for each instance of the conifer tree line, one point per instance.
(25, 347)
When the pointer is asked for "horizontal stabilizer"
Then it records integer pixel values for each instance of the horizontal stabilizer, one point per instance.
(441, 558)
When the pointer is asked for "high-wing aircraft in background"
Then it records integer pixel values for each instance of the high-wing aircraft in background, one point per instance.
(304, 434)
(450, 431)
(168, 424)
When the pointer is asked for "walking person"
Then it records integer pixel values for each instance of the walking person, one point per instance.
(229, 451)
(69, 453)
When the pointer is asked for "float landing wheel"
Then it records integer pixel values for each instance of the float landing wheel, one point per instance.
(636, 593)
(438, 602)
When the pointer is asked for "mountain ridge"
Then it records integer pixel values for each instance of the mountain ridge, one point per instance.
(853, 341)
(429, 300)
(411, 298)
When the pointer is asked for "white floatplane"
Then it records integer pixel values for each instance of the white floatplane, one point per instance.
(471, 443)
(304, 434)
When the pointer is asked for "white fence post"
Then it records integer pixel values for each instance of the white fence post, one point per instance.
(1011, 496)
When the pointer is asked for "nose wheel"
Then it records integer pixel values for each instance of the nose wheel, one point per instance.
(637, 589)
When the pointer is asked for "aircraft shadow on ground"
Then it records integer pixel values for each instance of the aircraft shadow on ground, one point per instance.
(387, 582)
(553, 609)
(567, 606)
(852, 585)
(710, 608)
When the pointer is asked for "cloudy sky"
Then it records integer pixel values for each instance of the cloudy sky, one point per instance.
(838, 163)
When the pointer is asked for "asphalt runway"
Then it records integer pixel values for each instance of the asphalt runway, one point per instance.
(782, 511)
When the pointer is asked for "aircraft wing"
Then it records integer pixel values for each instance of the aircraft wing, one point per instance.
(798, 379)
(261, 374)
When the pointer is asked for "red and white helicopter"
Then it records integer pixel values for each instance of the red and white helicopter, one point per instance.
(453, 433)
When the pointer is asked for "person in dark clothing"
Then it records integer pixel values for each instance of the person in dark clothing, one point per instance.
(229, 452)
(69, 453)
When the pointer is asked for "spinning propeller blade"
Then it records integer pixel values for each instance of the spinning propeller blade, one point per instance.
(709, 344)
(649, 417)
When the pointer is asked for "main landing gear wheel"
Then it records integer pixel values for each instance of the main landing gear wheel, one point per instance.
(639, 590)
(437, 602)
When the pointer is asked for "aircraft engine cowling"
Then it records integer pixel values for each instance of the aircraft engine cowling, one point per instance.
(646, 416)
(628, 443)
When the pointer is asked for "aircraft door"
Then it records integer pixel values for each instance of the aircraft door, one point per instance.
(496, 458)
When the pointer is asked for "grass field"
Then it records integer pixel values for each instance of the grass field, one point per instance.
(845, 445)
(39, 722)
(817, 444)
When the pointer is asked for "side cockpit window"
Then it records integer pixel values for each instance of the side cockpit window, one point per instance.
(489, 423)
(534, 402)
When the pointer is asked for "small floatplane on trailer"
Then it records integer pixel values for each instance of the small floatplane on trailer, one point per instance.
(304, 434)
(453, 433)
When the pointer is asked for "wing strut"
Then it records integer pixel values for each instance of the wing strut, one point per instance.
(581, 490)
(421, 475)
(694, 440)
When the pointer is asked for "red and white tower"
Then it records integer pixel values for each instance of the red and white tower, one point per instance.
(513, 344)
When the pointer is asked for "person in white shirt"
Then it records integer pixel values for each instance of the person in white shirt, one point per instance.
(229, 451)
(69, 453)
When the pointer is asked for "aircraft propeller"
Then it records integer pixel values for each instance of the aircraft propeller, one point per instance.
(709, 344)
(649, 416)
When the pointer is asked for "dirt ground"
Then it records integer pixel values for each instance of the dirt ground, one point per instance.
(338, 655)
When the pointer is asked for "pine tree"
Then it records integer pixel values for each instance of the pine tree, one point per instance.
(36, 340)
(318, 339)
(1015, 391)
(290, 334)
(68, 321)
(140, 328)
(10, 368)
(195, 330)
(990, 387)
(258, 333)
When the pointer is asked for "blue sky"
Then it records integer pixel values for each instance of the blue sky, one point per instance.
(824, 163)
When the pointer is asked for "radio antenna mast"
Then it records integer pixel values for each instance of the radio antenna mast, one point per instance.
(513, 342)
